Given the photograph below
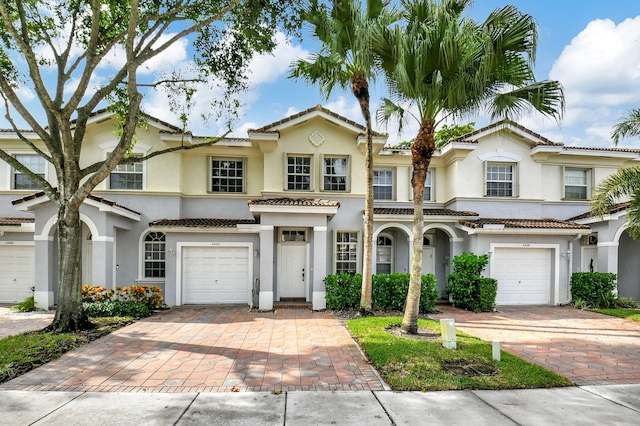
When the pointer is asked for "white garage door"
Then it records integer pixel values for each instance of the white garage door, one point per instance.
(16, 273)
(216, 275)
(523, 274)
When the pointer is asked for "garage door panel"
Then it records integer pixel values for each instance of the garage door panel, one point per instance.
(17, 264)
(523, 274)
(217, 274)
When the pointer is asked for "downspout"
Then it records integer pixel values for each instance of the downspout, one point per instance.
(569, 252)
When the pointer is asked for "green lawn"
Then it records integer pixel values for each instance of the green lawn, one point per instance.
(630, 314)
(410, 364)
(26, 351)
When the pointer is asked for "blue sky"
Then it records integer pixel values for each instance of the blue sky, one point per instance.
(591, 46)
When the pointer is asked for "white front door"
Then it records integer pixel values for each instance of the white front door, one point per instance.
(427, 260)
(292, 270)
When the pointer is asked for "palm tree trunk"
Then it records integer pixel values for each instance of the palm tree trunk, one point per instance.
(421, 153)
(360, 88)
(70, 314)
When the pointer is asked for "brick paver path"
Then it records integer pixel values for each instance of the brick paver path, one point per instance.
(586, 347)
(213, 349)
(11, 324)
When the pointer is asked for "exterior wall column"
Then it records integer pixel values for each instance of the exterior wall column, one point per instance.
(102, 262)
(45, 270)
(267, 257)
(608, 257)
(319, 300)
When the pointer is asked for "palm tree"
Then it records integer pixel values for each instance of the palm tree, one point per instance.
(629, 126)
(625, 183)
(443, 64)
(346, 59)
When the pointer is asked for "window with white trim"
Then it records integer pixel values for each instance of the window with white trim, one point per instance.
(154, 255)
(384, 255)
(335, 173)
(383, 184)
(428, 186)
(227, 175)
(36, 164)
(346, 252)
(500, 180)
(298, 173)
(127, 176)
(576, 184)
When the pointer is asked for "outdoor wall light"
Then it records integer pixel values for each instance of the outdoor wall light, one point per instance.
(171, 252)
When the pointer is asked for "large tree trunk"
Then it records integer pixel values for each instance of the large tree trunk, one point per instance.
(360, 88)
(421, 153)
(70, 315)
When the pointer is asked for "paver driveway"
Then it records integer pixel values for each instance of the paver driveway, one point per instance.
(11, 323)
(211, 349)
(586, 347)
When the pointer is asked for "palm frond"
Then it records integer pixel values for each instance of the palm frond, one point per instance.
(629, 126)
(616, 187)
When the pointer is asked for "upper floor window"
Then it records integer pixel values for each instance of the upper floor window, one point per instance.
(36, 164)
(154, 255)
(127, 176)
(227, 175)
(428, 186)
(298, 173)
(335, 173)
(346, 252)
(383, 185)
(576, 184)
(500, 180)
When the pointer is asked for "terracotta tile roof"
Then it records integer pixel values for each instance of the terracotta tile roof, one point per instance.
(426, 212)
(306, 202)
(594, 148)
(202, 222)
(468, 137)
(307, 111)
(614, 209)
(524, 223)
(90, 196)
(15, 221)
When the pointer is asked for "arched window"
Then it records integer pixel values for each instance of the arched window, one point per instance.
(384, 255)
(154, 255)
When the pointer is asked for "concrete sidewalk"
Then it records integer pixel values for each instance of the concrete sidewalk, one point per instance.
(589, 405)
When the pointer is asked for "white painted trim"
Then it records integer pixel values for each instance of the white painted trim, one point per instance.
(265, 300)
(113, 209)
(184, 245)
(42, 238)
(555, 255)
(501, 156)
(24, 227)
(609, 244)
(95, 235)
(17, 243)
(141, 252)
(405, 228)
(320, 229)
(267, 227)
(446, 228)
(319, 300)
(619, 232)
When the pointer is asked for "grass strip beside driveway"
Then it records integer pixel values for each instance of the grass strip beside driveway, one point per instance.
(424, 365)
(630, 314)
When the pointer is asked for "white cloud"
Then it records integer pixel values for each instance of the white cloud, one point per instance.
(268, 67)
(241, 131)
(291, 111)
(600, 72)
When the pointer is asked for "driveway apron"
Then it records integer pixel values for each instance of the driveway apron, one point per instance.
(213, 349)
(586, 347)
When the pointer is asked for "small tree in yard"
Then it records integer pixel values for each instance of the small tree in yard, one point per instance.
(59, 51)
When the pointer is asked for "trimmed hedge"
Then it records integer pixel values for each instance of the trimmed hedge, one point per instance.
(116, 308)
(595, 288)
(388, 293)
(466, 286)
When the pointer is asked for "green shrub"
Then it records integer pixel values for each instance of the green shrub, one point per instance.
(149, 296)
(27, 305)
(388, 293)
(623, 302)
(594, 288)
(116, 308)
(466, 286)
